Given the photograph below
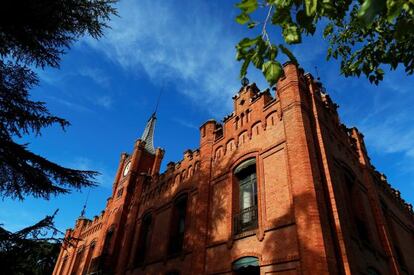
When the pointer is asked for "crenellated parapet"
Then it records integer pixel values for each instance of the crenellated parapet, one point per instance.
(392, 193)
(177, 176)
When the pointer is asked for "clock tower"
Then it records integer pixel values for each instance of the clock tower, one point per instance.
(134, 171)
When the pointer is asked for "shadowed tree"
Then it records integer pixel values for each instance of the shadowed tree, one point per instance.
(33, 35)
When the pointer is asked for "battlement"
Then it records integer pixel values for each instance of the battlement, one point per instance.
(177, 176)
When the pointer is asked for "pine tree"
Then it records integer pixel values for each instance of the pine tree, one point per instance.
(35, 34)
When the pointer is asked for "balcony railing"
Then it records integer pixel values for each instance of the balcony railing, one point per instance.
(245, 220)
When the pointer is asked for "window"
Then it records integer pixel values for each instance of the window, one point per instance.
(78, 260)
(120, 191)
(399, 256)
(373, 271)
(108, 238)
(179, 212)
(246, 266)
(144, 240)
(246, 217)
(89, 257)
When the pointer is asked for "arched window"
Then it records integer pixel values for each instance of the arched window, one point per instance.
(246, 217)
(144, 240)
(78, 260)
(89, 257)
(246, 266)
(108, 239)
(178, 224)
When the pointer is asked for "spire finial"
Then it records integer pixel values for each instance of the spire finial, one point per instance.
(158, 100)
(317, 73)
(84, 206)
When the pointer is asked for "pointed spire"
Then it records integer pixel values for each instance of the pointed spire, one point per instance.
(148, 135)
(82, 215)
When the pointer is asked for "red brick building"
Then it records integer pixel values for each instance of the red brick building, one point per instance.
(279, 187)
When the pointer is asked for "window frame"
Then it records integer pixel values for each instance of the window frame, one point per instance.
(176, 241)
(245, 216)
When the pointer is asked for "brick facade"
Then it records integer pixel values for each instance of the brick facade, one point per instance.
(318, 205)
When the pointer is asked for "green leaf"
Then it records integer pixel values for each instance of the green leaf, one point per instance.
(291, 34)
(288, 53)
(281, 16)
(328, 30)
(281, 3)
(394, 8)
(248, 6)
(305, 21)
(311, 6)
(243, 69)
(243, 18)
(251, 25)
(247, 42)
(257, 60)
(272, 52)
(272, 71)
(369, 10)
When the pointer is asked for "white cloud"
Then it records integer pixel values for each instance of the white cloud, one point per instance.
(95, 74)
(185, 123)
(184, 46)
(104, 101)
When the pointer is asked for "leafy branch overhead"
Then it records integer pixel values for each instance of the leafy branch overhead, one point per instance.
(365, 35)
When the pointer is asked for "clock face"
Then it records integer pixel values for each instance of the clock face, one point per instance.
(126, 169)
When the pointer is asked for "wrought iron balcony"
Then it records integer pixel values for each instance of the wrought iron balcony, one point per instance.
(245, 220)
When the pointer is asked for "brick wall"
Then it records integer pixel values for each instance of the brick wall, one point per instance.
(322, 208)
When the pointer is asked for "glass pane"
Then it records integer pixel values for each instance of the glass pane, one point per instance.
(246, 196)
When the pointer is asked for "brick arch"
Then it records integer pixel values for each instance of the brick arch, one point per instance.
(256, 126)
(181, 192)
(231, 142)
(244, 136)
(246, 156)
(246, 254)
(218, 153)
(271, 119)
(147, 211)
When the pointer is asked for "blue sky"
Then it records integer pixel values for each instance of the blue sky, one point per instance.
(108, 88)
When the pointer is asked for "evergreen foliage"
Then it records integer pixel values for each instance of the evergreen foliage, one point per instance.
(33, 35)
(36, 34)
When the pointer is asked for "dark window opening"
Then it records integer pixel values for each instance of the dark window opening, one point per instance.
(144, 240)
(362, 229)
(373, 271)
(178, 225)
(78, 260)
(399, 256)
(120, 191)
(108, 239)
(246, 218)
